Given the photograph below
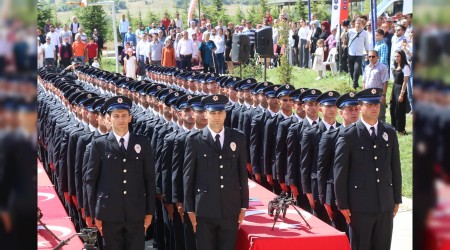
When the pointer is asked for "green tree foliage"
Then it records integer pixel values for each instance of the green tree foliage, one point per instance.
(239, 16)
(301, 10)
(285, 71)
(44, 12)
(151, 17)
(322, 10)
(218, 4)
(93, 17)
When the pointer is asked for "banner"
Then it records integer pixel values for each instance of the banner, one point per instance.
(191, 11)
(339, 12)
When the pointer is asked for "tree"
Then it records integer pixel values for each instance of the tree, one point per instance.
(300, 10)
(321, 9)
(218, 4)
(44, 12)
(152, 17)
(93, 17)
(285, 71)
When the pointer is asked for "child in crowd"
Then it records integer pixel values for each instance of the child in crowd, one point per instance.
(318, 59)
(95, 63)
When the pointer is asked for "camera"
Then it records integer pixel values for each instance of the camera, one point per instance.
(89, 237)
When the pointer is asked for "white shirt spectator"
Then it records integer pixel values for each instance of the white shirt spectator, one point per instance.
(83, 37)
(179, 23)
(64, 34)
(369, 40)
(153, 31)
(191, 31)
(54, 38)
(275, 35)
(396, 44)
(185, 47)
(358, 42)
(195, 54)
(123, 26)
(220, 44)
(49, 50)
(223, 28)
(142, 48)
(74, 27)
(303, 33)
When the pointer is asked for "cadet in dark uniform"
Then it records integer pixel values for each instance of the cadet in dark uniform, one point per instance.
(294, 137)
(310, 147)
(120, 181)
(325, 161)
(367, 176)
(215, 179)
(257, 135)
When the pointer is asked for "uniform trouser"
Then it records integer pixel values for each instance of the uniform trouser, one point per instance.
(303, 54)
(276, 188)
(398, 109)
(159, 225)
(319, 211)
(338, 221)
(344, 60)
(217, 234)
(303, 202)
(169, 239)
(178, 230)
(371, 230)
(355, 67)
(189, 236)
(123, 235)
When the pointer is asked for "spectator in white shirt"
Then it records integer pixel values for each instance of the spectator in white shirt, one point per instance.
(54, 37)
(220, 25)
(303, 53)
(358, 47)
(219, 40)
(195, 54)
(185, 49)
(83, 35)
(191, 29)
(141, 54)
(65, 33)
(123, 27)
(178, 21)
(49, 53)
(74, 25)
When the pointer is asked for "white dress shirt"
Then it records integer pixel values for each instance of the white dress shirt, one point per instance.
(311, 121)
(185, 47)
(368, 126)
(221, 133)
(328, 126)
(126, 137)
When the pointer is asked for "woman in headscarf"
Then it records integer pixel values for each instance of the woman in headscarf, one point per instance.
(325, 25)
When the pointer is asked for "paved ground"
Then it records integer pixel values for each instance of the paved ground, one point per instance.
(402, 235)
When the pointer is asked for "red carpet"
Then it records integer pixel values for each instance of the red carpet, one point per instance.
(289, 233)
(55, 217)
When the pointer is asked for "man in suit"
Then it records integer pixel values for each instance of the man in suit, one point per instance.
(348, 105)
(120, 181)
(232, 96)
(367, 175)
(215, 179)
(294, 137)
(310, 145)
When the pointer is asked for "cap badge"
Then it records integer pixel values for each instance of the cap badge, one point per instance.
(170, 91)
(119, 100)
(127, 79)
(215, 98)
(374, 91)
(351, 94)
(276, 88)
(302, 90)
(159, 87)
(313, 92)
(234, 79)
(265, 84)
(143, 82)
(189, 97)
(248, 81)
(176, 93)
(287, 86)
(89, 95)
(330, 93)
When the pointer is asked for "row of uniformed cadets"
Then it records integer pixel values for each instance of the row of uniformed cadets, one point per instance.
(286, 150)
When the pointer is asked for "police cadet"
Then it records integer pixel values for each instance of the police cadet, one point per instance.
(270, 130)
(177, 169)
(187, 122)
(367, 175)
(120, 181)
(244, 87)
(257, 135)
(309, 151)
(215, 179)
(232, 97)
(348, 105)
(286, 104)
(294, 137)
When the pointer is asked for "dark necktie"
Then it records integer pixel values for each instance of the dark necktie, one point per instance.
(218, 142)
(314, 123)
(122, 145)
(331, 128)
(373, 135)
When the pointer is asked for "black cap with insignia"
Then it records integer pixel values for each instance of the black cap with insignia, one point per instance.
(345, 100)
(296, 94)
(370, 95)
(171, 98)
(271, 90)
(183, 102)
(260, 87)
(196, 103)
(328, 98)
(310, 95)
(284, 90)
(118, 103)
(215, 102)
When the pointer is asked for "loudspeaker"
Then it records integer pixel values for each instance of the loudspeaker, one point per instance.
(240, 48)
(264, 42)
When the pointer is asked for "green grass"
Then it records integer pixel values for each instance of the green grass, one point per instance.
(340, 83)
